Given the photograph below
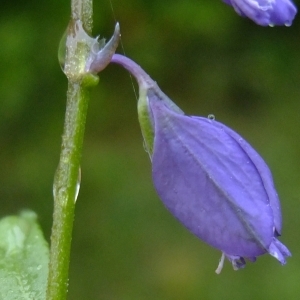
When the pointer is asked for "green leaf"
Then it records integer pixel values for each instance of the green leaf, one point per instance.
(24, 257)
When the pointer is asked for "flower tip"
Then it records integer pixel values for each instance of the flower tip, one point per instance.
(282, 12)
(279, 251)
(117, 29)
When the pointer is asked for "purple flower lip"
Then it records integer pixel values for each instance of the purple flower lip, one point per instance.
(265, 12)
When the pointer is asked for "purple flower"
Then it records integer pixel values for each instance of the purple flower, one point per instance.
(265, 12)
(209, 177)
(216, 184)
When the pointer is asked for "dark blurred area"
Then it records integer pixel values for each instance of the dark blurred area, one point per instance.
(126, 245)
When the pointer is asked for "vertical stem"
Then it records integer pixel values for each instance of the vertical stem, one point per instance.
(66, 181)
(83, 10)
(64, 190)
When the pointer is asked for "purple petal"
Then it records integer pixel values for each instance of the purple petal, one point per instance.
(210, 184)
(279, 251)
(265, 174)
(216, 184)
(265, 12)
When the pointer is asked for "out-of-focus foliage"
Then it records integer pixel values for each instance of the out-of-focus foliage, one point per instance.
(208, 60)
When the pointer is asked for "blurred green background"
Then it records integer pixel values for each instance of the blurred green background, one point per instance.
(208, 60)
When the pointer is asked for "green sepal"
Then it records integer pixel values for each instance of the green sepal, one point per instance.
(148, 93)
(145, 120)
(90, 80)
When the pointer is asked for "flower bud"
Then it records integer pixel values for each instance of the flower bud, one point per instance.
(209, 177)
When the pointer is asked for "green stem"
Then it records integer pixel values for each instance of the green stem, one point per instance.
(64, 190)
(67, 177)
(83, 10)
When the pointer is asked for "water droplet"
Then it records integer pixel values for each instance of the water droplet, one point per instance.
(78, 184)
(62, 50)
(39, 267)
(211, 117)
(288, 23)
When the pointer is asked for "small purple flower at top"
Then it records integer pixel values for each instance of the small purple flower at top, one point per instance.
(266, 12)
